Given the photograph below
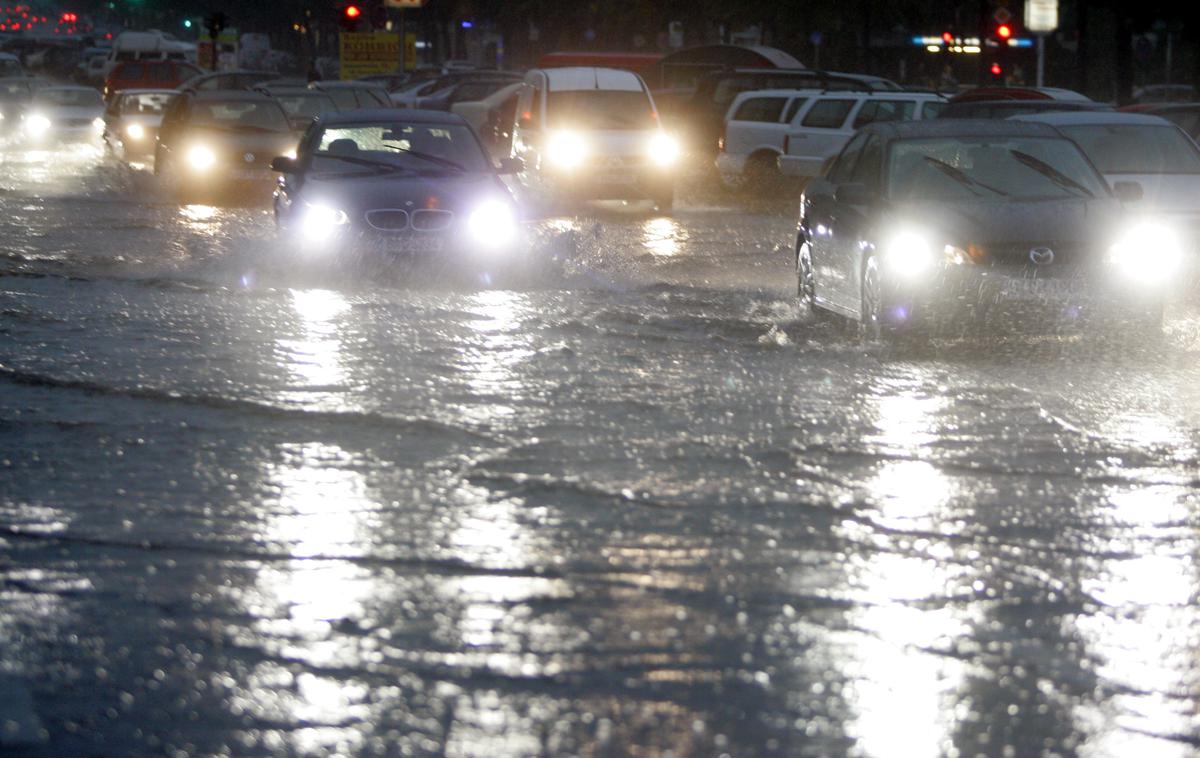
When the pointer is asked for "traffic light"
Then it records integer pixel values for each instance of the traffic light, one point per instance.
(215, 23)
(997, 71)
(349, 17)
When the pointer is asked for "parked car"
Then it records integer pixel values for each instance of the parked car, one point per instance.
(766, 130)
(925, 223)
(407, 184)
(132, 120)
(390, 82)
(228, 80)
(211, 141)
(592, 133)
(148, 75)
(64, 113)
(351, 95)
(301, 105)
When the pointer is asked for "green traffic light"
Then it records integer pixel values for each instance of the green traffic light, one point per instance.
(187, 23)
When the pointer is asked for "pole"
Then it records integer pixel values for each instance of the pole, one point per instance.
(1041, 60)
(403, 43)
(1169, 51)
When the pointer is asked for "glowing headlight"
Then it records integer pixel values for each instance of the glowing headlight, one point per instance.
(98, 124)
(1148, 253)
(566, 150)
(135, 131)
(37, 124)
(201, 158)
(492, 224)
(663, 149)
(909, 254)
(321, 221)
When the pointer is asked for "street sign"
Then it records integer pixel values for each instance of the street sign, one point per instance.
(404, 4)
(1041, 16)
(365, 53)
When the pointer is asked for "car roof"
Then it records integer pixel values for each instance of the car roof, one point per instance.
(1080, 118)
(960, 127)
(995, 94)
(390, 115)
(575, 78)
(227, 95)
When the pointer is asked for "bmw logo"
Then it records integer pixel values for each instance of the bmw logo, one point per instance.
(1041, 256)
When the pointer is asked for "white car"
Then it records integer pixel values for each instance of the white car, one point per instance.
(486, 116)
(592, 133)
(132, 120)
(64, 113)
(809, 128)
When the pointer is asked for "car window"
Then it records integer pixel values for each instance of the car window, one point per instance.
(933, 108)
(1136, 148)
(869, 163)
(305, 105)
(828, 114)
(240, 115)
(473, 91)
(145, 103)
(163, 74)
(843, 167)
(793, 109)
(884, 110)
(761, 109)
(420, 147)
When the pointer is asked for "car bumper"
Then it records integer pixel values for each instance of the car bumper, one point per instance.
(620, 184)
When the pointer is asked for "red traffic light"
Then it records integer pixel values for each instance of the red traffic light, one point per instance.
(353, 11)
(1004, 31)
(996, 70)
(947, 37)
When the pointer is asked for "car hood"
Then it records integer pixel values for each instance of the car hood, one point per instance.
(1006, 230)
(455, 193)
(1165, 193)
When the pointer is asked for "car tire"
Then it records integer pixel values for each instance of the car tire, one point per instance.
(806, 284)
(870, 324)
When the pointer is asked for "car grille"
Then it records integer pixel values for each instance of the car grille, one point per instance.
(426, 220)
(1068, 261)
(388, 219)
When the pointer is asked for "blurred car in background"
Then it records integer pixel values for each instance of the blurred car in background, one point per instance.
(15, 96)
(492, 117)
(1184, 115)
(148, 75)
(351, 95)
(301, 105)
(1165, 93)
(1002, 109)
(212, 141)
(10, 65)
(409, 95)
(390, 82)
(470, 90)
(64, 114)
(132, 120)
(228, 80)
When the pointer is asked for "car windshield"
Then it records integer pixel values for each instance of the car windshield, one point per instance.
(69, 97)
(418, 147)
(146, 103)
(1136, 148)
(963, 168)
(305, 105)
(240, 115)
(600, 109)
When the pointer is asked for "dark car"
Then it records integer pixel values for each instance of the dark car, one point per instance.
(700, 117)
(406, 183)
(930, 223)
(228, 80)
(352, 95)
(300, 104)
(1000, 109)
(212, 140)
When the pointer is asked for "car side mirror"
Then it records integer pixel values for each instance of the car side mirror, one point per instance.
(285, 165)
(852, 193)
(1128, 192)
(511, 165)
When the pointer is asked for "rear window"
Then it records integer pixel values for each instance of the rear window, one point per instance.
(828, 114)
(600, 109)
(145, 103)
(761, 109)
(884, 110)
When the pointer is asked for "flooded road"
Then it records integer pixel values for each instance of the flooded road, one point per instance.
(629, 504)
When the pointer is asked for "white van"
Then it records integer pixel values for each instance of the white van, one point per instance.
(147, 46)
(762, 126)
(592, 133)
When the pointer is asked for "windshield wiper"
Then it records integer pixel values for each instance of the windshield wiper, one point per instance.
(431, 158)
(1051, 173)
(380, 166)
(961, 176)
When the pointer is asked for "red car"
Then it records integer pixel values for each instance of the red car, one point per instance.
(148, 75)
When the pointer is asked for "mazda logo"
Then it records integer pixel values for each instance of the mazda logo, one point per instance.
(1041, 256)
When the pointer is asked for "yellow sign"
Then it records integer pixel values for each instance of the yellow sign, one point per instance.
(364, 53)
(410, 51)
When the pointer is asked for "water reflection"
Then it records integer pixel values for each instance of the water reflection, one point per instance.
(663, 236)
(204, 219)
(497, 347)
(314, 358)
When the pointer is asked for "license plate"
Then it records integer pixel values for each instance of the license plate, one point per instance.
(1022, 289)
(417, 245)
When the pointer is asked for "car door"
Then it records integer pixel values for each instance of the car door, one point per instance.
(169, 131)
(825, 243)
(852, 222)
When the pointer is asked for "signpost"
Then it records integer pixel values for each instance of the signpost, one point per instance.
(408, 57)
(365, 53)
(1041, 18)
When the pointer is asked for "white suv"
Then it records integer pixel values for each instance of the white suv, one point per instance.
(766, 130)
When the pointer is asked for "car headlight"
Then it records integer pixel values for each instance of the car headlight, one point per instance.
(98, 124)
(908, 254)
(320, 222)
(201, 158)
(1148, 253)
(663, 149)
(492, 224)
(37, 124)
(135, 131)
(566, 150)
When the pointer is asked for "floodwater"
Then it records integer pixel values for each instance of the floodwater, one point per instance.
(625, 503)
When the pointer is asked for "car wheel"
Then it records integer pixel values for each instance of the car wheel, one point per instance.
(806, 284)
(870, 325)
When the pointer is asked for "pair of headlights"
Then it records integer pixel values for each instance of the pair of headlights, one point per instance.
(568, 149)
(201, 157)
(1148, 253)
(491, 224)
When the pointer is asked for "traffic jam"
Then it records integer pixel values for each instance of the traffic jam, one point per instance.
(415, 386)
